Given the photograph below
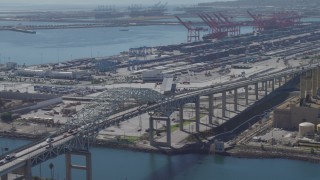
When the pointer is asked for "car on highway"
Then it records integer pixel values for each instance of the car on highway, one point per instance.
(70, 131)
(1, 162)
(9, 157)
(49, 140)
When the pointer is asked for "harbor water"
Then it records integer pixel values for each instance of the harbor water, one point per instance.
(52, 46)
(117, 164)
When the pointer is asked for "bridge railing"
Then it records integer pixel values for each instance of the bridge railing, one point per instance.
(24, 147)
(257, 79)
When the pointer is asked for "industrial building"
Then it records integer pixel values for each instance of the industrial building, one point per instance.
(306, 108)
(152, 75)
(79, 75)
(291, 114)
(30, 72)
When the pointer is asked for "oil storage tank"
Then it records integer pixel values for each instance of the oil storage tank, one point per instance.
(306, 129)
(318, 128)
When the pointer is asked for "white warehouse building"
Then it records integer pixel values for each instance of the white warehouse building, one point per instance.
(53, 74)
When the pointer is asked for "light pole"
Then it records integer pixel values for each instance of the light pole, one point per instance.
(192, 126)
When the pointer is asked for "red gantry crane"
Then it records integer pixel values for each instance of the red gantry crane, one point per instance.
(220, 26)
(193, 32)
(275, 21)
(212, 24)
(220, 31)
(234, 28)
(257, 21)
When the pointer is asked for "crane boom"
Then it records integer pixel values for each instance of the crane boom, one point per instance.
(183, 23)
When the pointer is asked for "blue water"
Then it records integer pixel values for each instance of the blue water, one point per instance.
(65, 44)
(310, 20)
(120, 164)
(17, 23)
(49, 46)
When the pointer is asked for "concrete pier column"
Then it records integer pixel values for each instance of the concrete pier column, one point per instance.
(168, 126)
(314, 81)
(235, 99)
(285, 79)
(318, 74)
(28, 170)
(151, 138)
(266, 88)
(88, 167)
(197, 106)
(70, 166)
(256, 86)
(280, 81)
(272, 84)
(4, 177)
(167, 130)
(224, 103)
(309, 80)
(262, 84)
(246, 89)
(303, 85)
(181, 121)
(210, 108)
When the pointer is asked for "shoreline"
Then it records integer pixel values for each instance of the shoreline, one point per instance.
(22, 136)
(273, 154)
(193, 148)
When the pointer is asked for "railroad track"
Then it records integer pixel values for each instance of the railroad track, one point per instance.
(246, 137)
